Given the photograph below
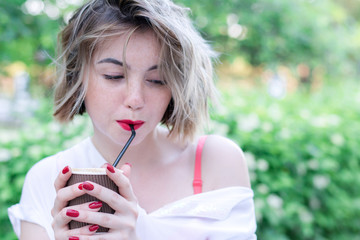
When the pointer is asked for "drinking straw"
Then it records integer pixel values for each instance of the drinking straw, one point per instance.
(133, 133)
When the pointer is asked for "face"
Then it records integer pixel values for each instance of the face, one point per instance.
(113, 101)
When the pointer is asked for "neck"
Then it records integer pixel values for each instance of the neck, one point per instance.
(147, 151)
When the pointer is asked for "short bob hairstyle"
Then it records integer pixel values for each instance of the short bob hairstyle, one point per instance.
(185, 58)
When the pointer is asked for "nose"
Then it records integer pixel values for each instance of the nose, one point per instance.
(134, 98)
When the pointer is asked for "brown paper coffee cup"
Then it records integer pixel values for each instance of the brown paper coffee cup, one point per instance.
(97, 175)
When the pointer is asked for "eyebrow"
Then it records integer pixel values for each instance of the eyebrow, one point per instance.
(117, 62)
(111, 60)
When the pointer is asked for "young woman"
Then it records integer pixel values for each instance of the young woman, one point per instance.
(138, 62)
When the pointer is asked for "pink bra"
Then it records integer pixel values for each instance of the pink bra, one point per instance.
(197, 182)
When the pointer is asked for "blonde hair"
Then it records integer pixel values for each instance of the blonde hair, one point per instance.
(185, 58)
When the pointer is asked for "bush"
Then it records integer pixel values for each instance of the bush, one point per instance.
(20, 149)
(302, 152)
(304, 160)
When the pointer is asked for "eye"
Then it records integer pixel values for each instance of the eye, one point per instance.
(157, 82)
(113, 77)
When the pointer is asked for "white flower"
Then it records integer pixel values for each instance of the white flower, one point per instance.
(267, 127)
(253, 176)
(263, 189)
(35, 151)
(337, 139)
(7, 136)
(275, 112)
(5, 155)
(275, 201)
(259, 205)
(319, 122)
(262, 165)
(219, 128)
(331, 120)
(248, 123)
(54, 127)
(315, 203)
(16, 152)
(250, 160)
(306, 216)
(357, 97)
(320, 181)
(305, 114)
(285, 133)
(313, 164)
(301, 169)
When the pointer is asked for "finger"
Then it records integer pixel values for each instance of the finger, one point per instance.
(126, 168)
(62, 178)
(67, 214)
(104, 165)
(106, 220)
(112, 198)
(64, 195)
(122, 181)
(61, 220)
(85, 230)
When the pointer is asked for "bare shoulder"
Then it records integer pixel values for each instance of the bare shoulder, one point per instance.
(223, 164)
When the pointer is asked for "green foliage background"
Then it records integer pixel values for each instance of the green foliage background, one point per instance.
(302, 151)
(302, 154)
(304, 160)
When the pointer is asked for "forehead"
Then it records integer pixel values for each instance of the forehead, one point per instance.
(138, 48)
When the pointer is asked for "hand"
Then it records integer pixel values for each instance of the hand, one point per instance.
(60, 212)
(121, 224)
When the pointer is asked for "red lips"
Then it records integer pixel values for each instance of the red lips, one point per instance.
(125, 124)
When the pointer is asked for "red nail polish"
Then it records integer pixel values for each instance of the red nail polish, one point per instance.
(73, 238)
(93, 228)
(72, 213)
(80, 186)
(65, 170)
(88, 186)
(95, 205)
(129, 164)
(110, 168)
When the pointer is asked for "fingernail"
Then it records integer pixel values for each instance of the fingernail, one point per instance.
(129, 164)
(110, 168)
(65, 170)
(73, 238)
(72, 213)
(95, 205)
(80, 186)
(88, 186)
(93, 228)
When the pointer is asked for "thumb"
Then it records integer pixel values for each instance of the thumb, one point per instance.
(126, 168)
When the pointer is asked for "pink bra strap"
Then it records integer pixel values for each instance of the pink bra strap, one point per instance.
(197, 183)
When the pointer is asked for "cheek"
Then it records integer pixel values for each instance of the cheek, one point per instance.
(98, 95)
(95, 101)
(165, 100)
(159, 103)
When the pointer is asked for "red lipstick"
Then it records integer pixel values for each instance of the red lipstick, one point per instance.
(124, 123)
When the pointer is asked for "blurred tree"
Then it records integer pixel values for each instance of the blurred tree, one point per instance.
(273, 32)
(352, 7)
(23, 35)
(264, 32)
(28, 29)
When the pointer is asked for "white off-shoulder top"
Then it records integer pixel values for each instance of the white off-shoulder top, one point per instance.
(226, 213)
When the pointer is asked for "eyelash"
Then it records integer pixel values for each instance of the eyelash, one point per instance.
(113, 77)
(116, 77)
(157, 82)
